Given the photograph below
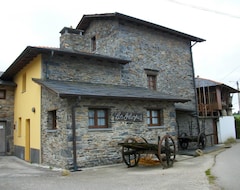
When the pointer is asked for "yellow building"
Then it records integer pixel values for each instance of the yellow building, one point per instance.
(27, 111)
(27, 101)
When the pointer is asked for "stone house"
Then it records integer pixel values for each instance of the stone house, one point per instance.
(114, 76)
(6, 116)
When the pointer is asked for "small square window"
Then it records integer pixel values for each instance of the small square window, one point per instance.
(154, 118)
(98, 118)
(2, 94)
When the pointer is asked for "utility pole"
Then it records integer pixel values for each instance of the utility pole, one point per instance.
(238, 98)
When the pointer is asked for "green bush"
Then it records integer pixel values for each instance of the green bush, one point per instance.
(237, 123)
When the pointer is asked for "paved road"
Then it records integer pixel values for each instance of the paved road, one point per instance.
(188, 173)
(227, 168)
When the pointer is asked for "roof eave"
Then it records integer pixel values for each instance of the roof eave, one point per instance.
(30, 52)
(65, 95)
(84, 23)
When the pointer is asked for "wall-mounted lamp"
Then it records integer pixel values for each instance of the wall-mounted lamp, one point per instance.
(33, 109)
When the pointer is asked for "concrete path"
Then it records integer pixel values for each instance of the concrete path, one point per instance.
(227, 168)
(187, 173)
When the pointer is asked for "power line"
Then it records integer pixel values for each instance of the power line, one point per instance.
(205, 9)
(230, 72)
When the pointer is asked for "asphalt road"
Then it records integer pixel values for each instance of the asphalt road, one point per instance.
(187, 173)
(227, 168)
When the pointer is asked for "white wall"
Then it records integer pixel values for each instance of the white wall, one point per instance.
(226, 128)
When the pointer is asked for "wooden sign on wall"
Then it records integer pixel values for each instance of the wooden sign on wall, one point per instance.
(128, 116)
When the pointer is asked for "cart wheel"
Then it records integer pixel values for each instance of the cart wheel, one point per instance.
(202, 140)
(183, 144)
(129, 155)
(167, 151)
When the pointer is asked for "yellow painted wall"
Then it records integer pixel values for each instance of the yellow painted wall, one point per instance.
(25, 102)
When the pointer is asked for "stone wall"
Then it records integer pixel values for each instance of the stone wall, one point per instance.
(149, 49)
(6, 115)
(80, 69)
(96, 146)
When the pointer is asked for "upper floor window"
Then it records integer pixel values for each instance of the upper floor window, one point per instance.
(24, 78)
(152, 82)
(98, 118)
(154, 117)
(2, 94)
(93, 43)
(152, 78)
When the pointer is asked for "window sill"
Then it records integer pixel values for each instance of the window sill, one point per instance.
(51, 130)
(99, 129)
(156, 127)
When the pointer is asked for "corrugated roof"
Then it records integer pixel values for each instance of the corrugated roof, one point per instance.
(84, 89)
(30, 52)
(86, 19)
(201, 82)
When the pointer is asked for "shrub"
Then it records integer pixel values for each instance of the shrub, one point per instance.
(230, 140)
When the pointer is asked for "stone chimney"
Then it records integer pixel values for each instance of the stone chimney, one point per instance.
(72, 39)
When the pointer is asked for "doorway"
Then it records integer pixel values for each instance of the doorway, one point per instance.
(27, 140)
(215, 132)
(2, 137)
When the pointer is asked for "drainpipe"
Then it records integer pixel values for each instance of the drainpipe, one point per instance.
(194, 86)
(75, 167)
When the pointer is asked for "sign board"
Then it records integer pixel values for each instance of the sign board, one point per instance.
(128, 116)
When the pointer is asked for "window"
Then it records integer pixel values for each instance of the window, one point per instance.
(154, 117)
(152, 78)
(24, 82)
(152, 82)
(98, 118)
(2, 94)
(93, 43)
(19, 129)
(52, 120)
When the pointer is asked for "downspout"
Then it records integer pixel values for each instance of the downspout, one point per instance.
(194, 86)
(75, 166)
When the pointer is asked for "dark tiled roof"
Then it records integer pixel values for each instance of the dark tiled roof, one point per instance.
(6, 83)
(83, 89)
(30, 52)
(201, 82)
(86, 19)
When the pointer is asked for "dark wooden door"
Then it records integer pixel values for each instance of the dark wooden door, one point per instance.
(215, 132)
(2, 138)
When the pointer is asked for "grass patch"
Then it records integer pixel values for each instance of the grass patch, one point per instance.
(230, 141)
(210, 177)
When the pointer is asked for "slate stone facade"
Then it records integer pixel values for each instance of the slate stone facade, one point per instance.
(96, 146)
(149, 50)
(6, 116)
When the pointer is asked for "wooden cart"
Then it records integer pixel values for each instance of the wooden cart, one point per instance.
(185, 139)
(165, 150)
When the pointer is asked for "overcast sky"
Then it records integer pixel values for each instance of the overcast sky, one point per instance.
(38, 23)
